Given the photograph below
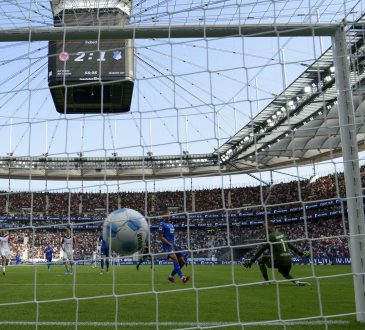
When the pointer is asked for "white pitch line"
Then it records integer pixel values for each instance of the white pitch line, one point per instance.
(169, 324)
(77, 284)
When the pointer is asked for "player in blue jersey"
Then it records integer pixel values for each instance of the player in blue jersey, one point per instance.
(104, 254)
(167, 237)
(48, 253)
(17, 258)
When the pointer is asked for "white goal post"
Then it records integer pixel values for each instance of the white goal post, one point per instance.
(354, 194)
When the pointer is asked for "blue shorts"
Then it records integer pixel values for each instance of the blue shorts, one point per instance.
(167, 248)
(104, 252)
(49, 259)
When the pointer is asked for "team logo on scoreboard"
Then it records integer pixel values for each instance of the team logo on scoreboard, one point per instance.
(64, 57)
(117, 55)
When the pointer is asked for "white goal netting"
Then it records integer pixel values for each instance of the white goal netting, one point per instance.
(235, 116)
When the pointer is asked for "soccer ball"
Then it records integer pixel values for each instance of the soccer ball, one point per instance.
(125, 231)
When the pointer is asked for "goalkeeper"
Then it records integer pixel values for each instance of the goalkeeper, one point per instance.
(281, 254)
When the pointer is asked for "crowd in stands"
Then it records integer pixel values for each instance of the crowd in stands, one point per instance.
(325, 235)
(325, 238)
(213, 200)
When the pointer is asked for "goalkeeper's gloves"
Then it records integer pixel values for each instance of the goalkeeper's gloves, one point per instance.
(247, 263)
(306, 254)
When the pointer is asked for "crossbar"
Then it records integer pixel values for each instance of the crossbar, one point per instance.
(176, 31)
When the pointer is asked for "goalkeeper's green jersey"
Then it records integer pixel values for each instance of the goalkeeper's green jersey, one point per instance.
(280, 249)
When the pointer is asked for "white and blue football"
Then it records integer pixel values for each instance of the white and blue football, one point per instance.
(126, 231)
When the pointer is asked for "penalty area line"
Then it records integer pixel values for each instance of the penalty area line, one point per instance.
(166, 324)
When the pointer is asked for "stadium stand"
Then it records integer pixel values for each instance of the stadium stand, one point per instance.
(243, 212)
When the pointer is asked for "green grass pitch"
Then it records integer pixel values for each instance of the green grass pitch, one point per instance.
(218, 295)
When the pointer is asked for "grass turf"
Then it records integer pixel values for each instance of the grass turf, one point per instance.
(216, 296)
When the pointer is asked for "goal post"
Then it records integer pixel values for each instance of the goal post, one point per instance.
(354, 195)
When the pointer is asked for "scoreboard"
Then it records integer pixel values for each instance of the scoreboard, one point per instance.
(91, 76)
(87, 60)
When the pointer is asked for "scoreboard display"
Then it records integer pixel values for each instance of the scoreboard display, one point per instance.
(77, 64)
(91, 76)
(87, 60)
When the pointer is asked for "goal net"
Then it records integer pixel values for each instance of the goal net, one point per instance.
(243, 120)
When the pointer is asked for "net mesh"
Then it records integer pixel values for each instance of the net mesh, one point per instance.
(228, 133)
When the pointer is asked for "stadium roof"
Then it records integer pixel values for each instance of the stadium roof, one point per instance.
(299, 126)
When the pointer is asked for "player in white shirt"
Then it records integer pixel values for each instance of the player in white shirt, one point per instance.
(94, 258)
(4, 249)
(68, 244)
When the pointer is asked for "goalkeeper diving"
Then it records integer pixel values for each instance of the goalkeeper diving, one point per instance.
(279, 248)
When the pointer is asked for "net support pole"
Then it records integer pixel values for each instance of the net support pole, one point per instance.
(355, 206)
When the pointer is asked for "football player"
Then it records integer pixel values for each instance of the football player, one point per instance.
(48, 253)
(167, 238)
(4, 249)
(68, 244)
(104, 254)
(145, 256)
(281, 253)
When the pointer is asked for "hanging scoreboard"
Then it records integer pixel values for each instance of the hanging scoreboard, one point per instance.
(90, 76)
(88, 60)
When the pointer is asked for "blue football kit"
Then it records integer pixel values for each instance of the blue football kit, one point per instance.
(104, 249)
(49, 252)
(167, 230)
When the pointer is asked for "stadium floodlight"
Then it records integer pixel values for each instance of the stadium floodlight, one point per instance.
(307, 89)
